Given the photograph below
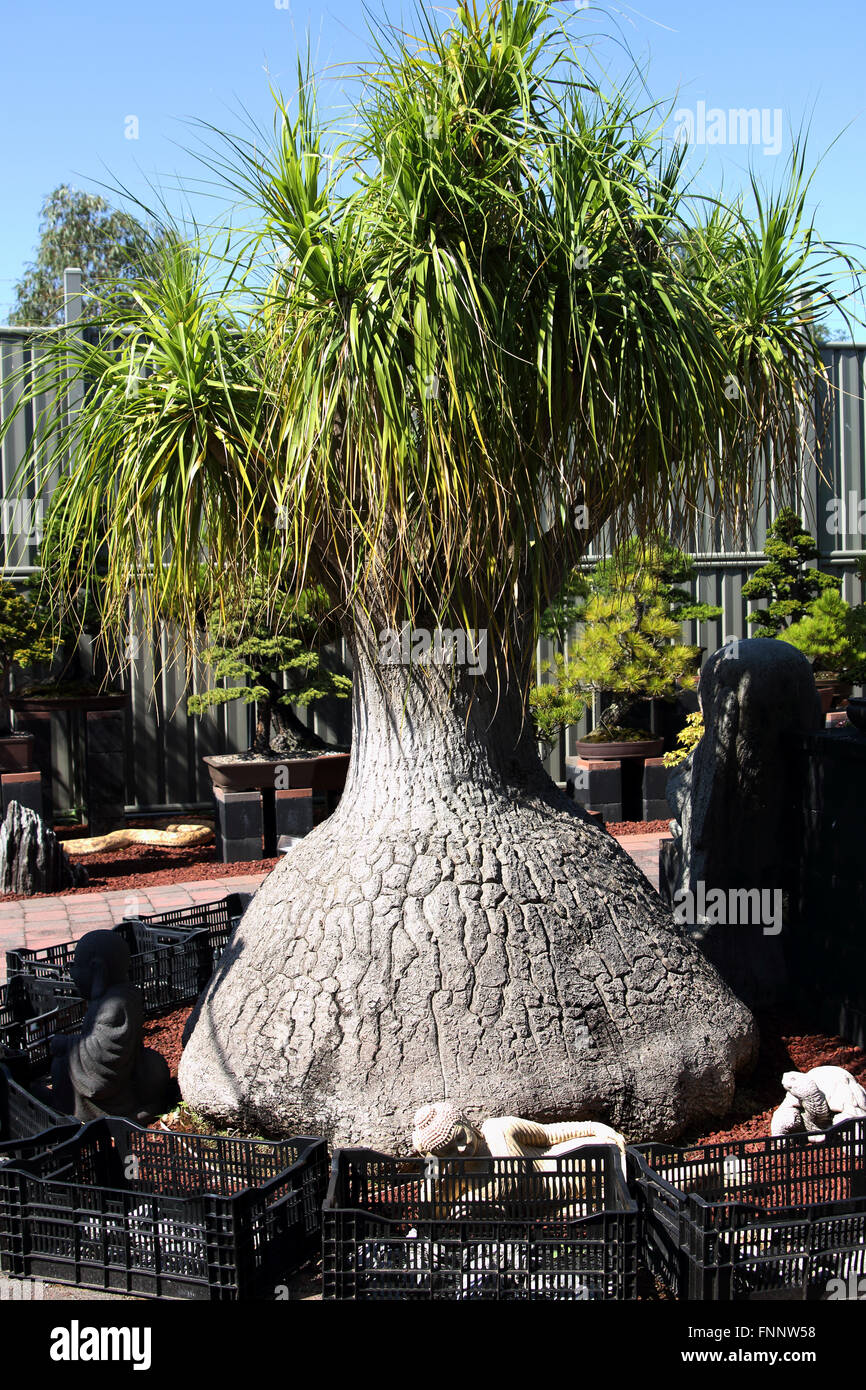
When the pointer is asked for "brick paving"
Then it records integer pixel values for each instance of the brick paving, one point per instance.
(644, 850)
(38, 922)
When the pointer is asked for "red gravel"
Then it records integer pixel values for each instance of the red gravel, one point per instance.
(164, 1035)
(150, 866)
(783, 1048)
(638, 827)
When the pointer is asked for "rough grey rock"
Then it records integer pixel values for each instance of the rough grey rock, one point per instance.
(458, 929)
(32, 860)
(735, 802)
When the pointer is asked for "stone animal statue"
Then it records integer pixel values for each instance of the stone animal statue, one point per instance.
(440, 1131)
(104, 1069)
(817, 1099)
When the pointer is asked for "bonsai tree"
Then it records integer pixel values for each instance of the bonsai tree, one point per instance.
(68, 618)
(832, 634)
(492, 294)
(631, 609)
(786, 580)
(251, 642)
(23, 640)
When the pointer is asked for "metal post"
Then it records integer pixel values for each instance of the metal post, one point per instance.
(73, 307)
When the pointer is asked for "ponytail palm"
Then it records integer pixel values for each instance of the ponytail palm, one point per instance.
(494, 303)
(159, 408)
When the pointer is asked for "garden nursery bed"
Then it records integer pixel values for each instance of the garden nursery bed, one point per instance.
(144, 867)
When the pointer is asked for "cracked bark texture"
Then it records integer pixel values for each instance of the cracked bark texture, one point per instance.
(458, 929)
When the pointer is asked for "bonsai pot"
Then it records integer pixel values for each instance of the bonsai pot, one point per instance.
(329, 774)
(318, 771)
(832, 690)
(627, 748)
(51, 704)
(235, 773)
(16, 752)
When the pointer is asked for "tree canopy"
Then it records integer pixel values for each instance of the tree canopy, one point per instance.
(493, 297)
(83, 230)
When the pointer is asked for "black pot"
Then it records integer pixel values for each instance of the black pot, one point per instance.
(16, 752)
(856, 712)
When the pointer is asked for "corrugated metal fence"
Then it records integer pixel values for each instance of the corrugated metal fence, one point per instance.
(165, 746)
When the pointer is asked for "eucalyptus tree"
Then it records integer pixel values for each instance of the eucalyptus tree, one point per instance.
(497, 326)
(78, 229)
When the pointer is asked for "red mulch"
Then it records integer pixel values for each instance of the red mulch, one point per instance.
(164, 1035)
(638, 827)
(150, 866)
(783, 1048)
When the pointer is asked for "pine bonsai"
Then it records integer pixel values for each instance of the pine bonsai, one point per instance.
(252, 641)
(632, 608)
(833, 635)
(785, 580)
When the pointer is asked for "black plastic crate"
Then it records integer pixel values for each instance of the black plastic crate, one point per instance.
(25, 1037)
(30, 995)
(218, 918)
(27, 1127)
(170, 967)
(755, 1219)
(503, 1229)
(168, 975)
(24, 1116)
(49, 962)
(162, 1214)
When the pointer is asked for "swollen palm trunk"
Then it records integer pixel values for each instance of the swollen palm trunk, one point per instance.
(458, 929)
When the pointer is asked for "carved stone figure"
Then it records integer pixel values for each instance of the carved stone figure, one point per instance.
(730, 867)
(441, 1131)
(817, 1099)
(104, 1070)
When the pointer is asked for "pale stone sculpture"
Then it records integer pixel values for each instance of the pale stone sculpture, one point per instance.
(817, 1099)
(441, 1131)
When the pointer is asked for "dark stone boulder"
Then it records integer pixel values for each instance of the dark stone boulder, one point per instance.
(731, 867)
(32, 860)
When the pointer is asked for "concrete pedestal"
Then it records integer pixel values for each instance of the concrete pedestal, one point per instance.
(39, 725)
(23, 787)
(239, 827)
(596, 785)
(655, 778)
(294, 811)
(105, 762)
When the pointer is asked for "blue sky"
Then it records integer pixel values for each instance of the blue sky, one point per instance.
(71, 77)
